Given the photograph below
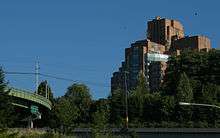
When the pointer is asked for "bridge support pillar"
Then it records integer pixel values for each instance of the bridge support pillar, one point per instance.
(30, 122)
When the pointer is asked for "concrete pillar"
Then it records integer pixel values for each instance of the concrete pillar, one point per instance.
(30, 122)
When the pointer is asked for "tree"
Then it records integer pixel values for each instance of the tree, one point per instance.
(79, 96)
(100, 117)
(43, 88)
(202, 68)
(152, 107)
(47, 115)
(210, 93)
(213, 67)
(142, 85)
(184, 94)
(136, 98)
(99, 113)
(66, 111)
(184, 90)
(167, 108)
(117, 107)
(6, 109)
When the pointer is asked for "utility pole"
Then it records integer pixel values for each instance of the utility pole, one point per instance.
(37, 75)
(46, 90)
(126, 100)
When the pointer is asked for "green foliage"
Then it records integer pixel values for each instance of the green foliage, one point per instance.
(136, 99)
(210, 93)
(100, 117)
(184, 90)
(100, 113)
(142, 86)
(191, 77)
(79, 96)
(49, 117)
(167, 108)
(152, 106)
(7, 114)
(117, 107)
(42, 90)
(66, 112)
(25, 133)
(198, 74)
(72, 109)
(201, 68)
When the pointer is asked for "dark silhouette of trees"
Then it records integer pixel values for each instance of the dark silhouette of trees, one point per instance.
(7, 114)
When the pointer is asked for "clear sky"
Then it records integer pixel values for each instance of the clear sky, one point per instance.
(85, 40)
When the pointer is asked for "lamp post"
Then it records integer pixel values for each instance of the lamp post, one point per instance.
(126, 99)
(198, 104)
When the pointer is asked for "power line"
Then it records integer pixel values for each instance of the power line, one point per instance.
(71, 80)
(19, 73)
(81, 67)
(56, 77)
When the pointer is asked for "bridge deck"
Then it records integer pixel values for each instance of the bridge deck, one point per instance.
(27, 95)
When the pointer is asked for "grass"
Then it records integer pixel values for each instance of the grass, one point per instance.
(28, 133)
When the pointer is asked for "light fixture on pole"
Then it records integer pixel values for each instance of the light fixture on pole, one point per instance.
(198, 104)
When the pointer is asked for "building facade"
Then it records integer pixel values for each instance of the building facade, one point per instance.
(194, 42)
(142, 58)
(148, 57)
(163, 31)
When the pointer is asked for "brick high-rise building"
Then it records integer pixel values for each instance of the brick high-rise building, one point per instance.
(137, 63)
(163, 31)
(118, 78)
(147, 57)
(193, 42)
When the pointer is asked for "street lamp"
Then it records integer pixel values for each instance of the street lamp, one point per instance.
(126, 99)
(197, 104)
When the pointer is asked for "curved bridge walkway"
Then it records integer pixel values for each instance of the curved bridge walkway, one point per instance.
(29, 96)
(30, 101)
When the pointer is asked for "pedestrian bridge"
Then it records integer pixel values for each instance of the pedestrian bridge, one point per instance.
(157, 57)
(29, 97)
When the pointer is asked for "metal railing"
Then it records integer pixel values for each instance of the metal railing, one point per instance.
(30, 96)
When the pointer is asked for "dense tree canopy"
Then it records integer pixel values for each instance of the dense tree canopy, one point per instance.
(117, 107)
(67, 112)
(201, 68)
(6, 109)
(190, 77)
(73, 108)
(43, 88)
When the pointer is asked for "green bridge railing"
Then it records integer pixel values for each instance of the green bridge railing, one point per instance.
(28, 95)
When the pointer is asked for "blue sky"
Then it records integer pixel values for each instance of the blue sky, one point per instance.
(85, 40)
